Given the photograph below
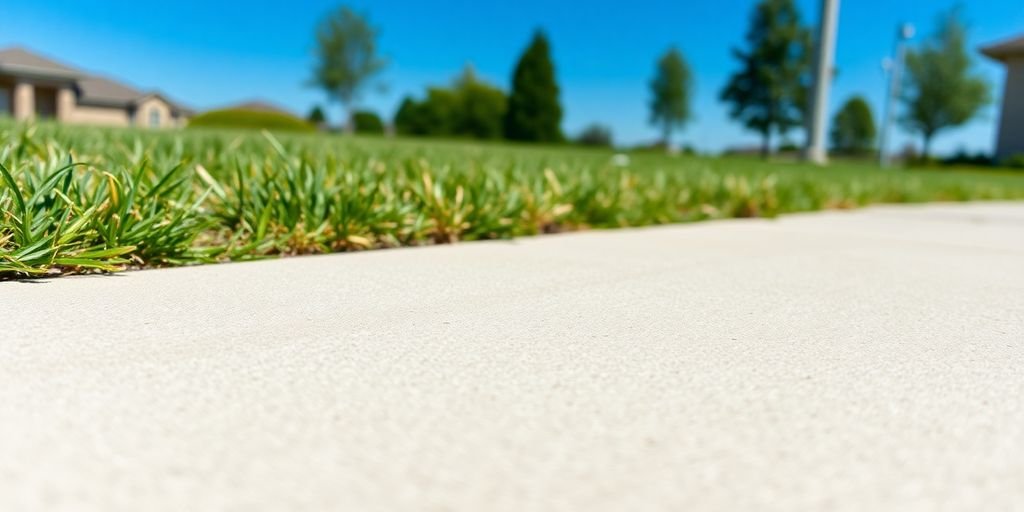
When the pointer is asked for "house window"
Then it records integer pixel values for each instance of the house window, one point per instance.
(154, 117)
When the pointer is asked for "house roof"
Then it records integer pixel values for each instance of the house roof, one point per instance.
(92, 89)
(97, 89)
(19, 60)
(1003, 50)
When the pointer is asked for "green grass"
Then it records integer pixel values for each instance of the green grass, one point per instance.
(250, 119)
(76, 199)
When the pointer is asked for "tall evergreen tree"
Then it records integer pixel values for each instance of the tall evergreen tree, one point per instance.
(853, 128)
(671, 89)
(942, 90)
(534, 113)
(768, 93)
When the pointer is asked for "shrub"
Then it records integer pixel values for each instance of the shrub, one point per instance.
(788, 146)
(963, 157)
(595, 135)
(1015, 161)
(250, 119)
(316, 116)
(368, 122)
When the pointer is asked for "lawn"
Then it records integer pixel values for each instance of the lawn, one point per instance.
(83, 198)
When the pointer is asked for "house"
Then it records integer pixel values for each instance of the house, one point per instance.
(33, 86)
(1010, 140)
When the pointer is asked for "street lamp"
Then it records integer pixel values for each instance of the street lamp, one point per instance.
(823, 71)
(895, 68)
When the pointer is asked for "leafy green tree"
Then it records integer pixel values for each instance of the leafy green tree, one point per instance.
(470, 107)
(853, 128)
(438, 111)
(368, 122)
(943, 91)
(595, 135)
(671, 89)
(435, 115)
(409, 118)
(534, 112)
(481, 107)
(768, 93)
(346, 58)
(316, 116)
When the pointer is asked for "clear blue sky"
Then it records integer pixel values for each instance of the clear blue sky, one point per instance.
(211, 53)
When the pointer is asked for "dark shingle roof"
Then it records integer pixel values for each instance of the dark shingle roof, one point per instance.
(1005, 49)
(21, 60)
(96, 89)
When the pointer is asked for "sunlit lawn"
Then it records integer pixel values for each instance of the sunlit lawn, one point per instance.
(77, 198)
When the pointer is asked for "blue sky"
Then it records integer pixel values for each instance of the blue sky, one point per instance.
(210, 53)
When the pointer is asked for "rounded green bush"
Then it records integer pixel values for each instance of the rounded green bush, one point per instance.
(368, 123)
(250, 119)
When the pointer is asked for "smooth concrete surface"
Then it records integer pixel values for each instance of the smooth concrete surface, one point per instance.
(867, 360)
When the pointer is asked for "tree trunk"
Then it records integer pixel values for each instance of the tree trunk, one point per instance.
(666, 137)
(766, 144)
(927, 148)
(350, 121)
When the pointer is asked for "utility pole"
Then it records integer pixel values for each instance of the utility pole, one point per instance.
(895, 67)
(823, 71)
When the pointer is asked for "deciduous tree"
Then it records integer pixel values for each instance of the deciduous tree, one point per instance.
(943, 90)
(671, 89)
(853, 128)
(346, 58)
(768, 93)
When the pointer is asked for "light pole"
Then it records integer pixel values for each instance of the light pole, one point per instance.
(823, 70)
(905, 32)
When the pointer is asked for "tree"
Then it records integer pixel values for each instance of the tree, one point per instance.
(346, 58)
(481, 107)
(316, 116)
(942, 91)
(595, 135)
(671, 89)
(534, 113)
(437, 112)
(409, 118)
(469, 107)
(853, 128)
(768, 94)
(434, 116)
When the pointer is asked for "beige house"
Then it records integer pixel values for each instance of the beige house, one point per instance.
(1010, 141)
(33, 86)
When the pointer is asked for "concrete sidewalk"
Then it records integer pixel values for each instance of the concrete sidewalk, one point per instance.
(868, 360)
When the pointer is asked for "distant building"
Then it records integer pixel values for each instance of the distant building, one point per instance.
(33, 86)
(1010, 140)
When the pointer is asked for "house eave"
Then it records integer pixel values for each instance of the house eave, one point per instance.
(103, 103)
(1005, 50)
(32, 72)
